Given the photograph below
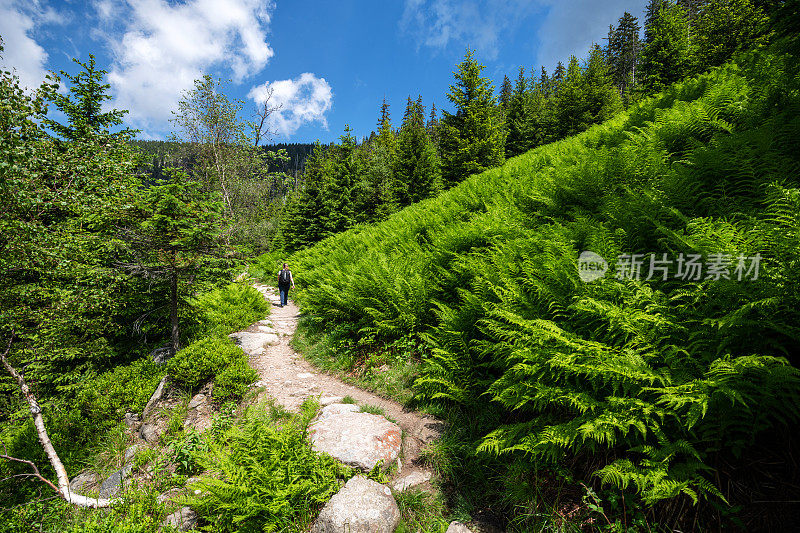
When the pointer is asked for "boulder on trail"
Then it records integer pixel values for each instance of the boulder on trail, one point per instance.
(361, 506)
(254, 343)
(356, 439)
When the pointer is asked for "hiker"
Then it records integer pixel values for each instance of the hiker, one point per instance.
(285, 280)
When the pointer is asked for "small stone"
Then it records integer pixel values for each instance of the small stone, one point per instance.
(305, 375)
(361, 506)
(197, 401)
(131, 420)
(457, 527)
(267, 329)
(183, 519)
(411, 480)
(130, 453)
(150, 432)
(258, 384)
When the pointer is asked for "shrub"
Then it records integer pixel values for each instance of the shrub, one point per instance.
(125, 388)
(225, 310)
(232, 382)
(200, 361)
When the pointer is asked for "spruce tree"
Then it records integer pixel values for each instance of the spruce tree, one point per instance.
(380, 157)
(506, 91)
(724, 27)
(517, 118)
(417, 164)
(83, 105)
(473, 138)
(667, 57)
(587, 96)
(652, 12)
(623, 52)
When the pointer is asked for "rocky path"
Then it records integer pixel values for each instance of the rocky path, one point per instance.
(290, 379)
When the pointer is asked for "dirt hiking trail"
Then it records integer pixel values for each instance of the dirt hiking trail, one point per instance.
(290, 379)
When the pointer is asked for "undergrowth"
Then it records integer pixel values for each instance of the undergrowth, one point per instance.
(652, 389)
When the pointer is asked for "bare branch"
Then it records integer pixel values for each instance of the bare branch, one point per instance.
(263, 112)
(38, 421)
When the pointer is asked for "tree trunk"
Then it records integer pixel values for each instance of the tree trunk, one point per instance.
(173, 311)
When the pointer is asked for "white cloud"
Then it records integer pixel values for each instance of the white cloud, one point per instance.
(566, 28)
(302, 100)
(479, 24)
(21, 51)
(165, 46)
(571, 27)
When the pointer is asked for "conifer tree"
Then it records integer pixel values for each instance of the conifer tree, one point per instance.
(558, 77)
(473, 138)
(667, 56)
(417, 163)
(83, 105)
(651, 14)
(624, 49)
(587, 96)
(380, 158)
(724, 27)
(517, 118)
(506, 91)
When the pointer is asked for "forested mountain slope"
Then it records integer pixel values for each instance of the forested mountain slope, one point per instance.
(659, 388)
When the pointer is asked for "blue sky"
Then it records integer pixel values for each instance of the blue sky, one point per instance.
(329, 63)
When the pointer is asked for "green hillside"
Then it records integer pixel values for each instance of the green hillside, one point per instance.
(657, 390)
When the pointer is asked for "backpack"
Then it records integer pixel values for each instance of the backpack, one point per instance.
(284, 278)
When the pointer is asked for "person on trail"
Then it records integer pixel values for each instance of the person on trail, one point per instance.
(285, 280)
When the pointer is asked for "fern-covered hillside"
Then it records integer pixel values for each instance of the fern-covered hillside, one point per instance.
(658, 389)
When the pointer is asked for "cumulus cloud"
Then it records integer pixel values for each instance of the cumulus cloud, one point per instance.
(479, 24)
(566, 28)
(302, 100)
(22, 53)
(165, 46)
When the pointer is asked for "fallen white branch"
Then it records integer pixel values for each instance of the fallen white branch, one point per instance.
(62, 489)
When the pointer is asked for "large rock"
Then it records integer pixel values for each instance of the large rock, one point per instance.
(361, 506)
(356, 439)
(113, 485)
(254, 343)
(155, 398)
(183, 519)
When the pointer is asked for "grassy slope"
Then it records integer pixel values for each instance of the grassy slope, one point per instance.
(645, 383)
